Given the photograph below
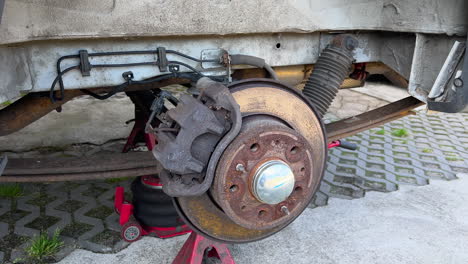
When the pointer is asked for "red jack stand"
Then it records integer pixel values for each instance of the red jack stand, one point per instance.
(194, 249)
(139, 131)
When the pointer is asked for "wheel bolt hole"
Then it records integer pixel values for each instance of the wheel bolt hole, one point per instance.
(302, 169)
(262, 214)
(294, 150)
(243, 207)
(254, 147)
(298, 189)
(234, 188)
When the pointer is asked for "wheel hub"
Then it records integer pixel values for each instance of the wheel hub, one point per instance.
(268, 190)
(273, 182)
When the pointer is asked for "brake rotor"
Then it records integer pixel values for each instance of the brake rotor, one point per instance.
(263, 178)
(280, 132)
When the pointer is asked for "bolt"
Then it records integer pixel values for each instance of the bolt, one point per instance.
(234, 188)
(285, 210)
(458, 82)
(240, 167)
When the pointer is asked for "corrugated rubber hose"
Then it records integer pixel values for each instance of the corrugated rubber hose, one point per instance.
(332, 67)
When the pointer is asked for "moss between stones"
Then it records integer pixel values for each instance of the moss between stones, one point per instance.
(43, 222)
(76, 229)
(50, 149)
(12, 216)
(41, 199)
(100, 212)
(6, 103)
(107, 238)
(71, 185)
(94, 191)
(70, 206)
(340, 179)
(10, 242)
(453, 158)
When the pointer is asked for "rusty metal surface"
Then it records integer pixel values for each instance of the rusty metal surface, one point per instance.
(84, 168)
(25, 171)
(353, 125)
(203, 216)
(232, 187)
(29, 109)
(259, 97)
(33, 106)
(298, 74)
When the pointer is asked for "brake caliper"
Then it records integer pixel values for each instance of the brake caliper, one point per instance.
(189, 135)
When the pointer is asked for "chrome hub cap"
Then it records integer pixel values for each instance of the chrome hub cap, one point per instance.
(273, 182)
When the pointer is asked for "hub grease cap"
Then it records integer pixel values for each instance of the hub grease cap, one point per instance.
(273, 182)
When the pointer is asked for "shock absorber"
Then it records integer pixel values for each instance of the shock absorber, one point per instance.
(332, 67)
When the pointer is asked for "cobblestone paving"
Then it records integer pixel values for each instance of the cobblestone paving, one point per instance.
(413, 150)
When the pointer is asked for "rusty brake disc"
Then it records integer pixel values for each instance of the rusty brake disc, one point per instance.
(278, 124)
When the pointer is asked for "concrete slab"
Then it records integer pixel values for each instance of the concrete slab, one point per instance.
(382, 91)
(415, 225)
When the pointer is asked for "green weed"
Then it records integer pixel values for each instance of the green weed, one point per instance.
(43, 246)
(400, 132)
(427, 150)
(11, 190)
(380, 132)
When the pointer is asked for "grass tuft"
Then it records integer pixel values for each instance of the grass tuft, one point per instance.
(400, 132)
(427, 150)
(453, 158)
(11, 190)
(380, 132)
(43, 246)
(116, 180)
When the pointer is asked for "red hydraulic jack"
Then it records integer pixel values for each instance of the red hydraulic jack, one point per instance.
(194, 249)
(132, 230)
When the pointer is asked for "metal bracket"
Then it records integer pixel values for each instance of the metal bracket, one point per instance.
(162, 59)
(3, 163)
(157, 108)
(447, 71)
(450, 91)
(85, 65)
